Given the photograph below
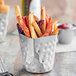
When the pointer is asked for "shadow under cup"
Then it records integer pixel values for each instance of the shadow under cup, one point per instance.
(3, 26)
(38, 54)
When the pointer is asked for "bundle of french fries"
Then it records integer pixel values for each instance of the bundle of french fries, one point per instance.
(32, 27)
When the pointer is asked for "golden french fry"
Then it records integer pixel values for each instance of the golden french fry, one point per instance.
(36, 18)
(17, 11)
(33, 33)
(31, 19)
(55, 21)
(55, 24)
(55, 32)
(4, 8)
(43, 15)
(55, 27)
(2, 2)
(36, 27)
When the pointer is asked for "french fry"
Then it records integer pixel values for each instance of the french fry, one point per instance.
(49, 28)
(55, 24)
(47, 20)
(55, 21)
(43, 17)
(37, 29)
(23, 26)
(55, 27)
(55, 32)
(36, 18)
(2, 2)
(26, 20)
(47, 32)
(4, 8)
(21, 22)
(17, 11)
(33, 33)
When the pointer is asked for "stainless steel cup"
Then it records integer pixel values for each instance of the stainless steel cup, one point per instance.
(38, 54)
(3, 69)
(3, 26)
(66, 35)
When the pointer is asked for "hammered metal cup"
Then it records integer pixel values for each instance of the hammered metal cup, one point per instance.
(38, 54)
(3, 26)
(3, 69)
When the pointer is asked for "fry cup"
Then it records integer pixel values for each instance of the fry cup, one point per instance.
(38, 54)
(3, 26)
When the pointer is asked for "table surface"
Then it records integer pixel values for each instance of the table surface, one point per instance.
(65, 63)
